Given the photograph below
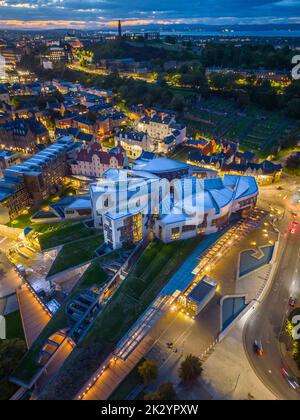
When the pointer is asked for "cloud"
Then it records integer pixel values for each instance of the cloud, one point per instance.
(92, 13)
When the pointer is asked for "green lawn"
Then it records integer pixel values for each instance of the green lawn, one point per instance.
(24, 220)
(294, 172)
(254, 128)
(152, 272)
(55, 234)
(21, 222)
(155, 268)
(76, 253)
(94, 276)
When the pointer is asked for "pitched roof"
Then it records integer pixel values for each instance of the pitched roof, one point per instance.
(87, 154)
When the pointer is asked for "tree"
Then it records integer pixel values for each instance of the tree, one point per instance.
(11, 352)
(170, 40)
(165, 392)
(190, 369)
(293, 163)
(177, 104)
(293, 108)
(148, 371)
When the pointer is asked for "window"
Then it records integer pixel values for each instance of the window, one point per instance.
(188, 228)
(175, 233)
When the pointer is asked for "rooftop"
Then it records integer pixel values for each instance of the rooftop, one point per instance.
(34, 164)
(203, 289)
(161, 165)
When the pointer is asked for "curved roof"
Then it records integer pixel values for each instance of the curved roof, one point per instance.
(161, 165)
(215, 194)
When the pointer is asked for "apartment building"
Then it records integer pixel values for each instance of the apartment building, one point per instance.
(165, 133)
(92, 161)
(23, 134)
(10, 58)
(28, 184)
(56, 54)
(134, 143)
(4, 94)
(7, 159)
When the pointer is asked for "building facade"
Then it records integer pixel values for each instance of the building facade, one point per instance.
(93, 161)
(168, 216)
(23, 134)
(165, 133)
(28, 184)
(134, 143)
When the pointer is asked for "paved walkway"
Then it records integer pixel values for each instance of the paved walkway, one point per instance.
(235, 379)
(9, 279)
(56, 362)
(34, 316)
(112, 377)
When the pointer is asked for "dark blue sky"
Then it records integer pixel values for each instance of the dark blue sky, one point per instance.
(96, 13)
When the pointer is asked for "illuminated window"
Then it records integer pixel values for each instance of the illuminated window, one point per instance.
(175, 233)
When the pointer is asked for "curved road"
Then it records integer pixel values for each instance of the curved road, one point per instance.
(268, 321)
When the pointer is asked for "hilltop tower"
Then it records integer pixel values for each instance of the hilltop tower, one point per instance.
(119, 29)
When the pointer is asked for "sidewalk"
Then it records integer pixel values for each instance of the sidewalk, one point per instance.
(228, 374)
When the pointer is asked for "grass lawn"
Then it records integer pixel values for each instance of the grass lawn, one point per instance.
(158, 263)
(24, 220)
(94, 276)
(55, 234)
(76, 253)
(294, 172)
(254, 128)
(21, 222)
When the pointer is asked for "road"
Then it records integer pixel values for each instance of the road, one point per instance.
(268, 321)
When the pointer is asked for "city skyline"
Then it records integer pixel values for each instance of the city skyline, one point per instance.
(33, 14)
(149, 203)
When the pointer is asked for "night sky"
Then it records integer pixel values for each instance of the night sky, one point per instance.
(101, 13)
